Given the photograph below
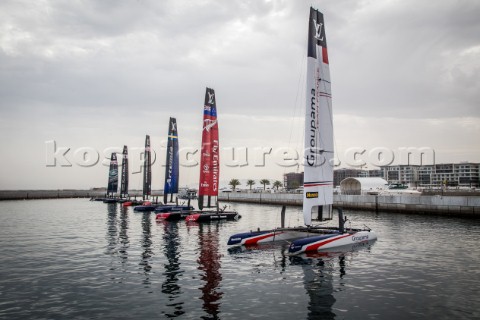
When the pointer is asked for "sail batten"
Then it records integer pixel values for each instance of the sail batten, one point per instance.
(318, 173)
(172, 162)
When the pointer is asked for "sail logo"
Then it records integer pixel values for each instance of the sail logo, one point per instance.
(360, 238)
(210, 97)
(170, 166)
(312, 151)
(318, 30)
(311, 195)
(215, 165)
(209, 124)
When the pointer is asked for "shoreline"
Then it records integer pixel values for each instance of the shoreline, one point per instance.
(458, 205)
(59, 194)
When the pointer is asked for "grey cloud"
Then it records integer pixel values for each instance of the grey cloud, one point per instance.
(94, 70)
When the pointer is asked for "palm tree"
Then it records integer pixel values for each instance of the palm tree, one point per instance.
(234, 183)
(277, 184)
(264, 182)
(250, 183)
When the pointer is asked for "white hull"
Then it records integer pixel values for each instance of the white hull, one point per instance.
(304, 239)
(319, 243)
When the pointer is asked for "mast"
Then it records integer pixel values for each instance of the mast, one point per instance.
(210, 156)
(172, 163)
(124, 179)
(147, 170)
(318, 174)
(112, 175)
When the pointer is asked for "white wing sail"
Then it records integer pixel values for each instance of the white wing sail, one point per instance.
(318, 173)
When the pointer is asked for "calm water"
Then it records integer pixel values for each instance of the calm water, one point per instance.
(65, 259)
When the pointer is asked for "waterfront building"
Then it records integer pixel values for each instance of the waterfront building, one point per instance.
(292, 180)
(363, 185)
(463, 174)
(341, 174)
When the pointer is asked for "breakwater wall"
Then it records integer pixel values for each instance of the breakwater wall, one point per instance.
(468, 206)
(58, 194)
(47, 194)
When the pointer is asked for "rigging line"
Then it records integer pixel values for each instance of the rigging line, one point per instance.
(300, 88)
(321, 139)
(300, 77)
(330, 110)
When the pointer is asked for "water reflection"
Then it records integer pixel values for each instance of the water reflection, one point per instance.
(318, 282)
(323, 273)
(172, 272)
(146, 243)
(319, 271)
(123, 237)
(209, 264)
(117, 237)
(112, 231)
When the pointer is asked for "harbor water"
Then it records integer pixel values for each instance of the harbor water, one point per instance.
(80, 259)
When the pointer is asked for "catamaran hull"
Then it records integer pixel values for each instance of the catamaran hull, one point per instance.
(169, 216)
(97, 199)
(258, 237)
(173, 215)
(207, 217)
(304, 239)
(174, 208)
(321, 242)
(145, 208)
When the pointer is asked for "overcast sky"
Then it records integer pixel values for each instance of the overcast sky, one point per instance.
(101, 74)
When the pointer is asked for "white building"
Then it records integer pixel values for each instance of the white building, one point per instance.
(357, 186)
(463, 174)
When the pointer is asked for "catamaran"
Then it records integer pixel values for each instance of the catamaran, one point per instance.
(147, 170)
(112, 180)
(318, 158)
(124, 177)
(147, 180)
(172, 162)
(124, 197)
(172, 212)
(210, 165)
(124, 181)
